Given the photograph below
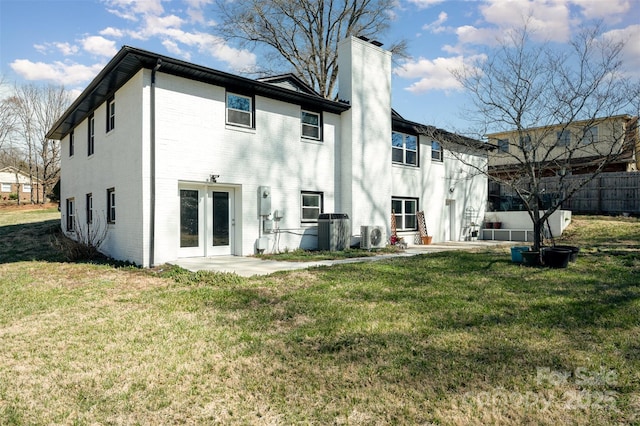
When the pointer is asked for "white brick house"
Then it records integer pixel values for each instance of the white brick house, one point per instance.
(178, 158)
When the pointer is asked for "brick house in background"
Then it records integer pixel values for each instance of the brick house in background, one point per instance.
(181, 160)
(14, 181)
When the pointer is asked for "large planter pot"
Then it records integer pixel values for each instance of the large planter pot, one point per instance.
(497, 225)
(488, 225)
(427, 240)
(516, 253)
(574, 251)
(554, 257)
(531, 258)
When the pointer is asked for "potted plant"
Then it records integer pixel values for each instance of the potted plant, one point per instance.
(531, 258)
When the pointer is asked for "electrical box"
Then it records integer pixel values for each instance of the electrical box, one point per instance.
(278, 214)
(267, 226)
(262, 243)
(264, 200)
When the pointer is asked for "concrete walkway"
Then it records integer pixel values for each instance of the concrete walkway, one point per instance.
(248, 266)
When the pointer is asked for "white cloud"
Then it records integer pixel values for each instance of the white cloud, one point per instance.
(436, 26)
(611, 11)
(111, 32)
(99, 45)
(66, 49)
(435, 74)
(423, 4)
(631, 50)
(57, 72)
(130, 9)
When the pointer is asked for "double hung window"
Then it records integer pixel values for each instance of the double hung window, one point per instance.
(404, 149)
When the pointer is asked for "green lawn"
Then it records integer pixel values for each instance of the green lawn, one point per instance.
(448, 338)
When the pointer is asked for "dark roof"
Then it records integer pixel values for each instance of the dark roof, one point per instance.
(290, 81)
(129, 60)
(400, 124)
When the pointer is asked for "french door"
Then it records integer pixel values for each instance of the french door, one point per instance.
(207, 221)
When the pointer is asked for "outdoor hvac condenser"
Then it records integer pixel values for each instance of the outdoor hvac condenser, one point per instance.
(334, 231)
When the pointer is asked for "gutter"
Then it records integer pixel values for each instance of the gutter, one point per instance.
(152, 165)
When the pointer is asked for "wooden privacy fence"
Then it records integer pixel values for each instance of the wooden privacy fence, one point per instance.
(608, 193)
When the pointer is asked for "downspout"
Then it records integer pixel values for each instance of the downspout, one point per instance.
(152, 165)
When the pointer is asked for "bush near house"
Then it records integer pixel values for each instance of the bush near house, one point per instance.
(449, 338)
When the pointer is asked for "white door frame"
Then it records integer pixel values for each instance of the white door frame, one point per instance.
(205, 245)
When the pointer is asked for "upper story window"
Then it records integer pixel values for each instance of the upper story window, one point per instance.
(111, 205)
(111, 114)
(525, 143)
(91, 134)
(310, 122)
(590, 135)
(563, 138)
(404, 148)
(405, 211)
(436, 151)
(239, 110)
(72, 144)
(311, 206)
(503, 145)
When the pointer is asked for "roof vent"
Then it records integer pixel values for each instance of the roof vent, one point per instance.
(376, 43)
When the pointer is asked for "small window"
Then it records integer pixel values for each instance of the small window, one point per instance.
(89, 207)
(405, 211)
(310, 122)
(72, 143)
(436, 151)
(71, 209)
(111, 205)
(91, 133)
(563, 138)
(6, 187)
(26, 187)
(239, 110)
(590, 135)
(312, 206)
(111, 114)
(525, 143)
(503, 145)
(404, 149)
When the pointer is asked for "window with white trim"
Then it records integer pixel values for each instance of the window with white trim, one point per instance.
(239, 110)
(89, 207)
(111, 205)
(72, 144)
(436, 151)
(91, 134)
(311, 123)
(404, 149)
(26, 187)
(405, 211)
(5, 187)
(311, 206)
(111, 114)
(70, 214)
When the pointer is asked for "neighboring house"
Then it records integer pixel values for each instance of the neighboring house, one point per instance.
(577, 147)
(16, 183)
(574, 149)
(181, 160)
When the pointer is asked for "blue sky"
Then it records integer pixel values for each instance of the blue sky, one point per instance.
(69, 41)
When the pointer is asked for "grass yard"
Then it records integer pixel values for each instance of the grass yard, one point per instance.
(449, 338)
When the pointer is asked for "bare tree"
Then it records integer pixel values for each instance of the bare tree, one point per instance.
(303, 35)
(544, 104)
(36, 108)
(7, 119)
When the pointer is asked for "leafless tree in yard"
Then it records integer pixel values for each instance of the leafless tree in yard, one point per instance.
(303, 35)
(36, 109)
(526, 90)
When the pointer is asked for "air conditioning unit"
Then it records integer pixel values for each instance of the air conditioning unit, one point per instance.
(372, 237)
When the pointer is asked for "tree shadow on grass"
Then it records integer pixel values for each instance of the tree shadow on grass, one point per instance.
(30, 241)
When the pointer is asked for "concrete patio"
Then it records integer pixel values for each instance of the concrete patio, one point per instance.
(248, 266)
